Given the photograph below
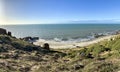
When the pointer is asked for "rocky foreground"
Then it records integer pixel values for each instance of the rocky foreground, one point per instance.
(18, 55)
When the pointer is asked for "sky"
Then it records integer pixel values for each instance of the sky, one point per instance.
(57, 11)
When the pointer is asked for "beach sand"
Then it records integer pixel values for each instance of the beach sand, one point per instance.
(64, 45)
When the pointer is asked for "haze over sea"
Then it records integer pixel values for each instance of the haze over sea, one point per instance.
(62, 32)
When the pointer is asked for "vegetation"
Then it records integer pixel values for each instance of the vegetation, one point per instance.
(20, 56)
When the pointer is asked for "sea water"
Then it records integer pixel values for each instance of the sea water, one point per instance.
(61, 32)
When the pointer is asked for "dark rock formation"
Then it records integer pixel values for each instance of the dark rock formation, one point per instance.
(9, 33)
(98, 35)
(27, 38)
(30, 39)
(46, 46)
(77, 67)
(90, 56)
(31, 48)
(3, 31)
(107, 49)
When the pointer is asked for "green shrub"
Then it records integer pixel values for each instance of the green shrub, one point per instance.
(116, 45)
(72, 54)
(101, 67)
(97, 49)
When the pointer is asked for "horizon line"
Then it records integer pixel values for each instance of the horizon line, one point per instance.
(56, 24)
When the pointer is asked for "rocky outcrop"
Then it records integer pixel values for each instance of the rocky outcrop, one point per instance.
(9, 33)
(4, 32)
(46, 46)
(98, 35)
(28, 56)
(30, 39)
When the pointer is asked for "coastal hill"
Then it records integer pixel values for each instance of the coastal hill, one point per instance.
(17, 55)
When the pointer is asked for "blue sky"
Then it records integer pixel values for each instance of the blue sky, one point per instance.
(59, 11)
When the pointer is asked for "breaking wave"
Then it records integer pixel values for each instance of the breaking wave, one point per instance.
(75, 39)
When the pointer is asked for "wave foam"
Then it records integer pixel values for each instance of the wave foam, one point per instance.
(69, 42)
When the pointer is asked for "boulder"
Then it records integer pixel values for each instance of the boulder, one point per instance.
(3, 31)
(30, 39)
(34, 38)
(27, 38)
(90, 56)
(46, 46)
(9, 33)
(77, 67)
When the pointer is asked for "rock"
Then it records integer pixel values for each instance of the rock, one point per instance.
(107, 49)
(31, 48)
(27, 38)
(78, 47)
(46, 46)
(90, 56)
(30, 39)
(9, 33)
(35, 38)
(77, 67)
(3, 31)
(98, 35)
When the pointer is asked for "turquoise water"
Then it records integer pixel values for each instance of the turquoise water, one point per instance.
(61, 31)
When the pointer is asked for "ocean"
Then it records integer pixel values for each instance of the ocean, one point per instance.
(62, 32)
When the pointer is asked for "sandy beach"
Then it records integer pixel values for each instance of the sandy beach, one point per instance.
(64, 45)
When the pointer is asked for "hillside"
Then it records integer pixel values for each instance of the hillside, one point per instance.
(17, 55)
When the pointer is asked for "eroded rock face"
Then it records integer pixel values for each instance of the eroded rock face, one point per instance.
(3, 31)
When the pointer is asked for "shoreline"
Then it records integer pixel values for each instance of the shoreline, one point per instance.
(59, 45)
